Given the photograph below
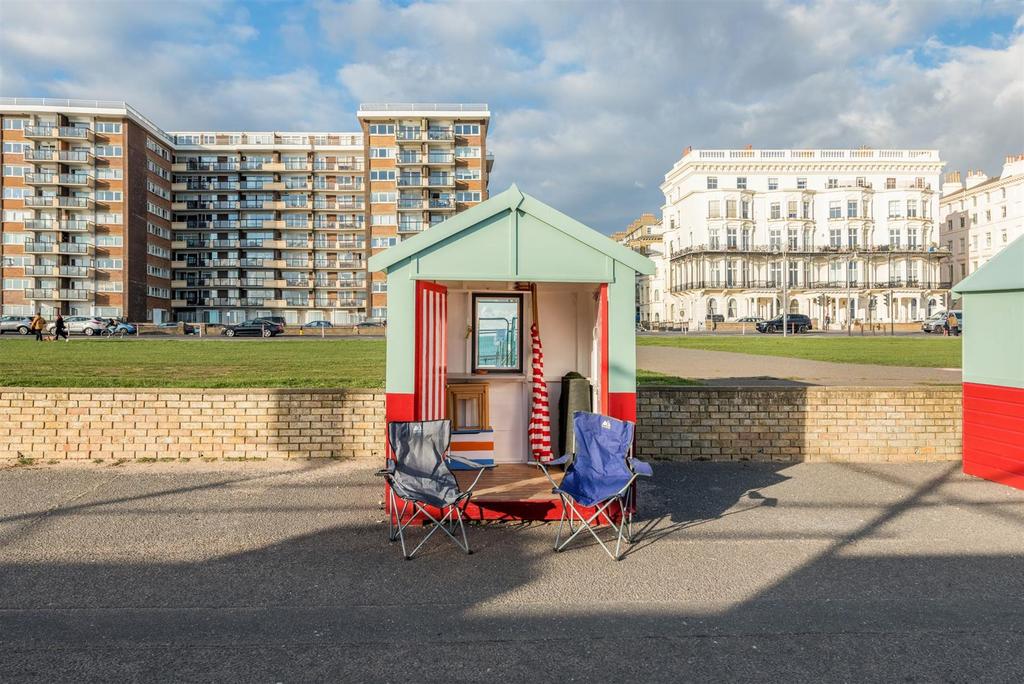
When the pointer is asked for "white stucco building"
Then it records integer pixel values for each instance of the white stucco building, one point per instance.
(837, 234)
(980, 216)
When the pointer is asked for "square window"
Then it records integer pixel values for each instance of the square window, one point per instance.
(497, 333)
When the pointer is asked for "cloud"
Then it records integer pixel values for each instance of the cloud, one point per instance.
(591, 102)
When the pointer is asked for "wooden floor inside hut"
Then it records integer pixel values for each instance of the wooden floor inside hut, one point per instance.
(511, 482)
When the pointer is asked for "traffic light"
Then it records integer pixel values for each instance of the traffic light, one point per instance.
(888, 299)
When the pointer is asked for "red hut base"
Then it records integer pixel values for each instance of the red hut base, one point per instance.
(993, 433)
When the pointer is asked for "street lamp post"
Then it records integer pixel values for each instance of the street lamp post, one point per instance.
(785, 281)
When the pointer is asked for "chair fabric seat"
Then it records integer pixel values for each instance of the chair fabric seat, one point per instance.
(420, 472)
(599, 471)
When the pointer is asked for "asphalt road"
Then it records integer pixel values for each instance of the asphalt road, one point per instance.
(281, 572)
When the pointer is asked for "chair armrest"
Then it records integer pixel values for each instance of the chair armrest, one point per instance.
(388, 469)
(641, 468)
(561, 460)
(468, 463)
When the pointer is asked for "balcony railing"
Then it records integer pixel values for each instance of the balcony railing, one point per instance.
(410, 181)
(74, 156)
(777, 284)
(41, 270)
(440, 158)
(40, 155)
(74, 271)
(845, 250)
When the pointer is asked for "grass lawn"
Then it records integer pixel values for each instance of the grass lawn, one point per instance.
(212, 363)
(192, 363)
(925, 352)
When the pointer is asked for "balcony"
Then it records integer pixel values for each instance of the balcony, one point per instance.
(206, 205)
(222, 301)
(42, 271)
(440, 158)
(406, 204)
(351, 263)
(74, 202)
(441, 204)
(42, 155)
(294, 244)
(70, 295)
(295, 225)
(218, 282)
(40, 200)
(74, 271)
(41, 294)
(196, 166)
(351, 303)
(321, 166)
(323, 186)
(407, 159)
(351, 284)
(41, 179)
(410, 181)
(408, 135)
(41, 247)
(180, 303)
(296, 205)
(74, 157)
(407, 227)
(440, 134)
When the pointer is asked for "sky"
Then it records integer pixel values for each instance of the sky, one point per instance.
(591, 102)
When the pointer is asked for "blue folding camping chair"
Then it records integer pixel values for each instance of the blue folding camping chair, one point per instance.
(420, 475)
(602, 473)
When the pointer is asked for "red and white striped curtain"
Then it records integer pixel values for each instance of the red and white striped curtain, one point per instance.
(540, 414)
(431, 350)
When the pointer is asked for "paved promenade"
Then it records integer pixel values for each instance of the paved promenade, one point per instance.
(280, 572)
(729, 368)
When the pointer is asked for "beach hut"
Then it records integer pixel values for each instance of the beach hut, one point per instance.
(463, 298)
(993, 363)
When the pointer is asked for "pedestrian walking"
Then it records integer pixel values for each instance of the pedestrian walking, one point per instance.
(60, 329)
(954, 324)
(38, 325)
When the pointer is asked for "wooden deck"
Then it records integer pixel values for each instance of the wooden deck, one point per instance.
(511, 482)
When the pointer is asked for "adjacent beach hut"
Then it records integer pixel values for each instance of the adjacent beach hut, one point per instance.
(462, 299)
(993, 362)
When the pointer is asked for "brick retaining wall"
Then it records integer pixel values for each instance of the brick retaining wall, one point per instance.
(865, 424)
(130, 423)
(680, 423)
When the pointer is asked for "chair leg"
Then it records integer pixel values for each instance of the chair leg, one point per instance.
(585, 524)
(561, 521)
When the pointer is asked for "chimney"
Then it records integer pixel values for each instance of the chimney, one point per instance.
(975, 177)
(1014, 166)
(951, 183)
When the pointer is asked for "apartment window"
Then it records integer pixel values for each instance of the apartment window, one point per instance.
(115, 218)
(713, 241)
(108, 127)
(974, 201)
(851, 238)
(716, 274)
(773, 183)
(467, 129)
(851, 208)
(775, 273)
(801, 183)
(962, 221)
(911, 238)
(1003, 212)
(712, 182)
(807, 210)
(16, 170)
(894, 209)
(730, 208)
(730, 277)
(894, 237)
(161, 292)
(791, 209)
(974, 219)
(109, 264)
(109, 286)
(382, 175)
(776, 210)
(109, 241)
(741, 183)
(14, 124)
(745, 209)
(109, 173)
(714, 210)
(793, 238)
(382, 129)
(158, 271)
(17, 283)
(890, 183)
(775, 239)
(467, 196)
(963, 270)
(158, 251)
(10, 238)
(851, 272)
(153, 146)
(17, 215)
(794, 273)
(17, 193)
(835, 209)
(383, 242)
(835, 237)
(974, 243)
(911, 208)
(16, 148)
(108, 151)
(186, 139)
(158, 210)
(988, 239)
(988, 215)
(730, 237)
(468, 152)
(383, 197)
(382, 152)
(383, 220)
(861, 182)
(466, 173)
(832, 183)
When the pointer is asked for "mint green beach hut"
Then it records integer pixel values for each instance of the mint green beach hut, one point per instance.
(462, 297)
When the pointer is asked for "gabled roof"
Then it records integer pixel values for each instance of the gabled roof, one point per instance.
(1004, 271)
(511, 200)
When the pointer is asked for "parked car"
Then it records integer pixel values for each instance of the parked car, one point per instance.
(279, 320)
(370, 324)
(257, 326)
(87, 325)
(937, 322)
(16, 324)
(795, 323)
(318, 324)
(749, 319)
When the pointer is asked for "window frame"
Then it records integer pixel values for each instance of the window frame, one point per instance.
(518, 370)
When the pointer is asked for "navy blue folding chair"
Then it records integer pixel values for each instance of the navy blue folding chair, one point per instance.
(419, 476)
(602, 474)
